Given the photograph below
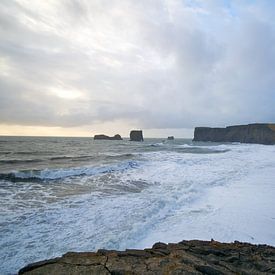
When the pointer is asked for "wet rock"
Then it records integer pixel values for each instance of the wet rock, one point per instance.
(159, 245)
(115, 137)
(251, 133)
(136, 135)
(186, 257)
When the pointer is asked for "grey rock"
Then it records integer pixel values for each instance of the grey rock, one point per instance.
(115, 137)
(136, 135)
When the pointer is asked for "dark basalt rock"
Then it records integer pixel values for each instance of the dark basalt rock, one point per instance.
(115, 137)
(252, 133)
(171, 138)
(136, 135)
(186, 257)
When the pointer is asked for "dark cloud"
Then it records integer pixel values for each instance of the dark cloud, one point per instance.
(162, 64)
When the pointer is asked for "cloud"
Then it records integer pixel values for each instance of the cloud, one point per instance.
(157, 64)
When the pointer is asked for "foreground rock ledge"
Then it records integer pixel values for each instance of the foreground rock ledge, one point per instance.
(186, 257)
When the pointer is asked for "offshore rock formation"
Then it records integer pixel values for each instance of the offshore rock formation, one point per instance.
(186, 257)
(136, 135)
(252, 133)
(171, 138)
(115, 137)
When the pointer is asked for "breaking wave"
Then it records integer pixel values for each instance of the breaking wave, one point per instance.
(55, 174)
(16, 161)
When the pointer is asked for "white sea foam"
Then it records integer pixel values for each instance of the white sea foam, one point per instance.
(53, 174)
(226, 196)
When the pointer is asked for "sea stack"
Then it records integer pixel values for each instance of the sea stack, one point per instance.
(136, 135)
(171, 138)
(115, 137)
(261, 133)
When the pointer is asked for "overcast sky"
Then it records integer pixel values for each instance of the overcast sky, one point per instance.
(106, 66)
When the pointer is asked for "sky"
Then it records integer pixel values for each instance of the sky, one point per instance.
(79, 68)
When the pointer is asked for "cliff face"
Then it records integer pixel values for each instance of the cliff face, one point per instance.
(186, 257)
(251, 133)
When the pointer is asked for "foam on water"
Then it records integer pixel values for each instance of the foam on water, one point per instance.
(167, 196)
(53, 174)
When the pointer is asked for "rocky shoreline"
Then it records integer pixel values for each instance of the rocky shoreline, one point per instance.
(186, 257)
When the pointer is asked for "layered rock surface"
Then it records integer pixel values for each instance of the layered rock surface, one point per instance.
(115, 137)
(251, 133)
(186, 257)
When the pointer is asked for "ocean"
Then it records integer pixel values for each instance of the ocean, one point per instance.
(79, 194)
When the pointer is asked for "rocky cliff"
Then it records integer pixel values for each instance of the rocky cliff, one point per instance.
(251, 133)
(186, 257)
(115, 137)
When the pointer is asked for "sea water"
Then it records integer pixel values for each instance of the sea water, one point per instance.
(79, 194)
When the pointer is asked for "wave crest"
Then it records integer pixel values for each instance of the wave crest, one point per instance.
(56, 174)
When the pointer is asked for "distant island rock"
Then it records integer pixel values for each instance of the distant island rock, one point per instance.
(262, 133)
(186, 257)
(171, 138)
(136, 135)
(115, 137)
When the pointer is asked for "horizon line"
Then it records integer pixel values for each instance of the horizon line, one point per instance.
(1, 135)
